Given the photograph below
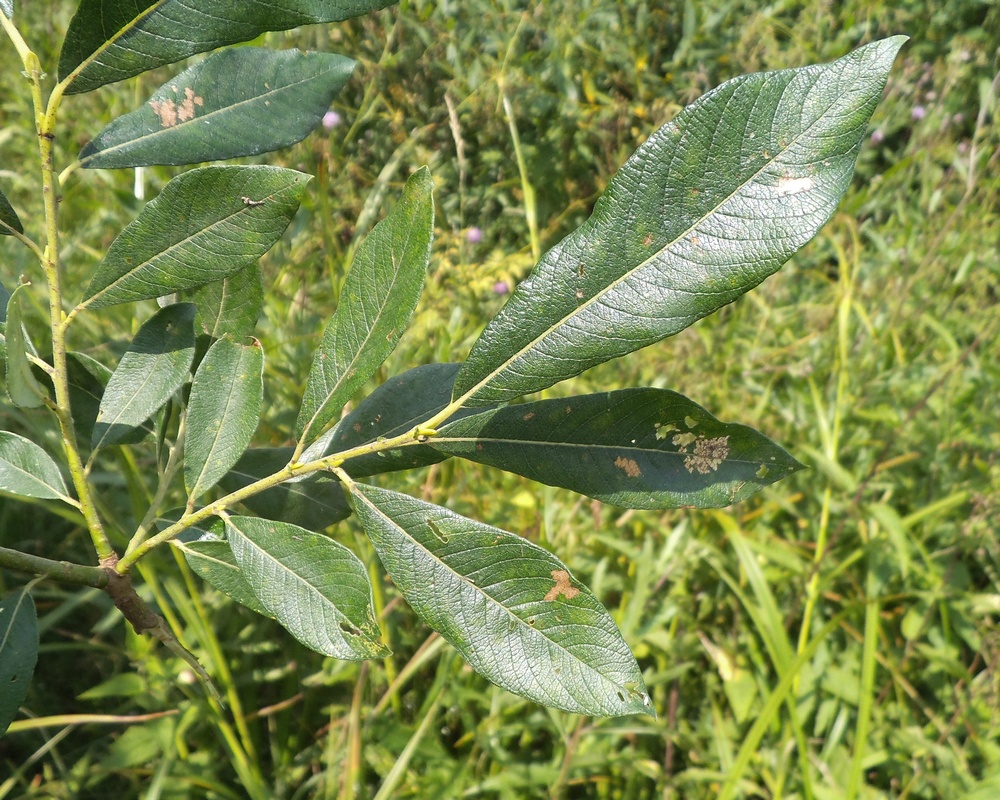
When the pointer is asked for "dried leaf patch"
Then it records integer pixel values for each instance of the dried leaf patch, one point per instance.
(628, 466)
(563, 586)
(171, 112)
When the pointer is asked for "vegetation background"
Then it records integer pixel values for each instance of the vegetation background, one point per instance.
(872, 356)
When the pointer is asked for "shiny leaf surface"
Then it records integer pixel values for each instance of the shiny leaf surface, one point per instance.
(710, 205)
(26, 470)
(18, 652)
(205, 225)
(638, 448)
(111, 40)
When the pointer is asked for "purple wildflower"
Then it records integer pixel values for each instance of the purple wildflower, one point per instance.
(474, 235)
(918, 112)
(501, 287)
(331, 119)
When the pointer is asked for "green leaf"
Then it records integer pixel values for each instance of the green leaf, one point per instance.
(9, 221)
(206, 224)
(315, 501)
(395, 407)
(638, 448)
(26, 470)
(156, 365)
(18, 652)
(379, 295)
(230, 307)
(512, 610)
(226, 397)
(316, 588)
(207, 552)
(714, 202)
(22, 387)
(111, 40)
(239, 102)
(4, 299)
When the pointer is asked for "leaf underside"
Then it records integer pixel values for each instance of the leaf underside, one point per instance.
(223, 410)
(638, 448)
(316, 588)
(238, 102)
(378, 297)
(111, 40)
(26, 470)
(207, 552)
(512, 610)
(710, 205)
(230, 307)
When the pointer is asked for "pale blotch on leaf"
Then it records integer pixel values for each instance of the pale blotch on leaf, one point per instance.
(628, 466)
(682, 440)
(662, 431)
(171, 113)
(563, 586)
(708, 455)
(788, 185)
(762, 472)
(690, 421)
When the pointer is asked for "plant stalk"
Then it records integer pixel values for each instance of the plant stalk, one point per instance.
(63, 571)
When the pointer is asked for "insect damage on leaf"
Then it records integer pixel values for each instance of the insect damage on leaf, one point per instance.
(171, 112)
(562, 587)
(788, 185)
(707, 456)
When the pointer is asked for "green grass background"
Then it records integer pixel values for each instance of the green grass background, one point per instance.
(836, 637)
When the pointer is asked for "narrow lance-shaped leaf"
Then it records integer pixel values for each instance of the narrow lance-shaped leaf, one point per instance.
(638, 448)
(230, 307)
(235, 103)
(314, 501)
(9, 221)
(512, 610)
(226, 397)
(24, 390)
(156, 365)
(111, 40)
(713, 202)
(26, 470)
(18, 652)
(395, 407)
(316, 588)
(205, 225)
(379, 295)
(207, 552)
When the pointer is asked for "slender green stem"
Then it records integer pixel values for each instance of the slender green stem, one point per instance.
(63, 571)
(174, 463)
(45, 118)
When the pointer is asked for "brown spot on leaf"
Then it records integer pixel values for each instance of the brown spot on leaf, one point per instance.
(628, 466)
(171, 113)
(648, 240)
(563, 586)
(529, 416)
(708, 455)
